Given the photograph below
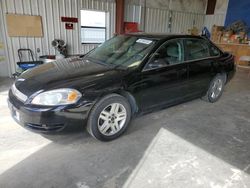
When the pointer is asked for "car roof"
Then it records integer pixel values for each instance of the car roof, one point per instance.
(160, 36)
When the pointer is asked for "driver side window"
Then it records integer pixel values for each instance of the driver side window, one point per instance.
(169, 53)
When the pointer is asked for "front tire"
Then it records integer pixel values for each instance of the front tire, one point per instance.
(216, 88)
(109, 117)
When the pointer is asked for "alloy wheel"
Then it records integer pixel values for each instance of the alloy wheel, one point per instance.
(216, 88)
(112, 119)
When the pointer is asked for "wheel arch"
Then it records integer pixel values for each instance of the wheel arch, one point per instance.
(221, 69)
(131, 99)
(224, 74)
(126, 94)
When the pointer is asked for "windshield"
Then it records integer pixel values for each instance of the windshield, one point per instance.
(127, 51)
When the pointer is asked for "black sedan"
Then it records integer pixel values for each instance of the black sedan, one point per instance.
(125, 76)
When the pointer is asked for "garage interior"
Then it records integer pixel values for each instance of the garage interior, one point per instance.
(194, 144)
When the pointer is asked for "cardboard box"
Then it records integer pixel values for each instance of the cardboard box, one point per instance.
(193, 31)
(227, 34)
(225, 39)
(216, 36)
(216, 28)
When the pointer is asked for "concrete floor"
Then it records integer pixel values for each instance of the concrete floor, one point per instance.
(196, 144)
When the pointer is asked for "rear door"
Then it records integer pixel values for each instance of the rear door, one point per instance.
(200, 57)
(164, 78)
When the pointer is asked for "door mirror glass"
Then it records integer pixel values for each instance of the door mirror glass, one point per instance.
(156, 61)
(155, 64)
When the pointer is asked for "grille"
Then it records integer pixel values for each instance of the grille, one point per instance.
(18, 94)
(44, 127)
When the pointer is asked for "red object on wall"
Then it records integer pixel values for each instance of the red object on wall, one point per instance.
(131, 27)
(69, 19)
(69, 26)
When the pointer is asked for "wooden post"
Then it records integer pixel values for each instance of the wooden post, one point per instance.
(119, 23)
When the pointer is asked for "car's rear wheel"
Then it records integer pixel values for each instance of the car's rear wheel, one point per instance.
(216, 88)
(109, 117)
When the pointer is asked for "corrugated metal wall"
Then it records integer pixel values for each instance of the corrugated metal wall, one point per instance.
(195, 6)
(157, 20)
(219, 16)
(182, 21)
(51, 11)
(133, 13)
(216, 19)
(3, 63)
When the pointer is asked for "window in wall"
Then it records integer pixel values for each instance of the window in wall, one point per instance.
(93, 26)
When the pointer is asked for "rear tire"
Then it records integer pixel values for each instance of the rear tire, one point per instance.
(215, 89)
(109, 117)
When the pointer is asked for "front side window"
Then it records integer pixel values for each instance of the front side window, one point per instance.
(172, 52)
(169, 53)
(122, 50)
(196, 49)
(93, 26)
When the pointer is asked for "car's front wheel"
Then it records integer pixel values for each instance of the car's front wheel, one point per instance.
(109, 117)
(216, 88)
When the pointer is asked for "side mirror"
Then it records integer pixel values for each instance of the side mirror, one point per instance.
(157, 62)
(154, 63)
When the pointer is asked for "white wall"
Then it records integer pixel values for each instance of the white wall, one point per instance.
(3, 61)
(219, 16)
(185, 15)
(51, 11)
(196, 6)
(4, 72)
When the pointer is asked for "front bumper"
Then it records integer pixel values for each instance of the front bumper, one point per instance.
(48, 119)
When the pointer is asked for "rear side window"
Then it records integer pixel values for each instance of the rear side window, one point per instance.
(213, 50)
(197, 49)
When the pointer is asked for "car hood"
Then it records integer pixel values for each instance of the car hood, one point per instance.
(71, 73)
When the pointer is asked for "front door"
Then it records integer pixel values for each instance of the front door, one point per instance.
(164, 78)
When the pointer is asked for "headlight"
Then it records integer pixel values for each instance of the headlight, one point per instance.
(57, 97)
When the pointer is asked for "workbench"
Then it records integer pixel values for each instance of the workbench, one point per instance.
(238, 50)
